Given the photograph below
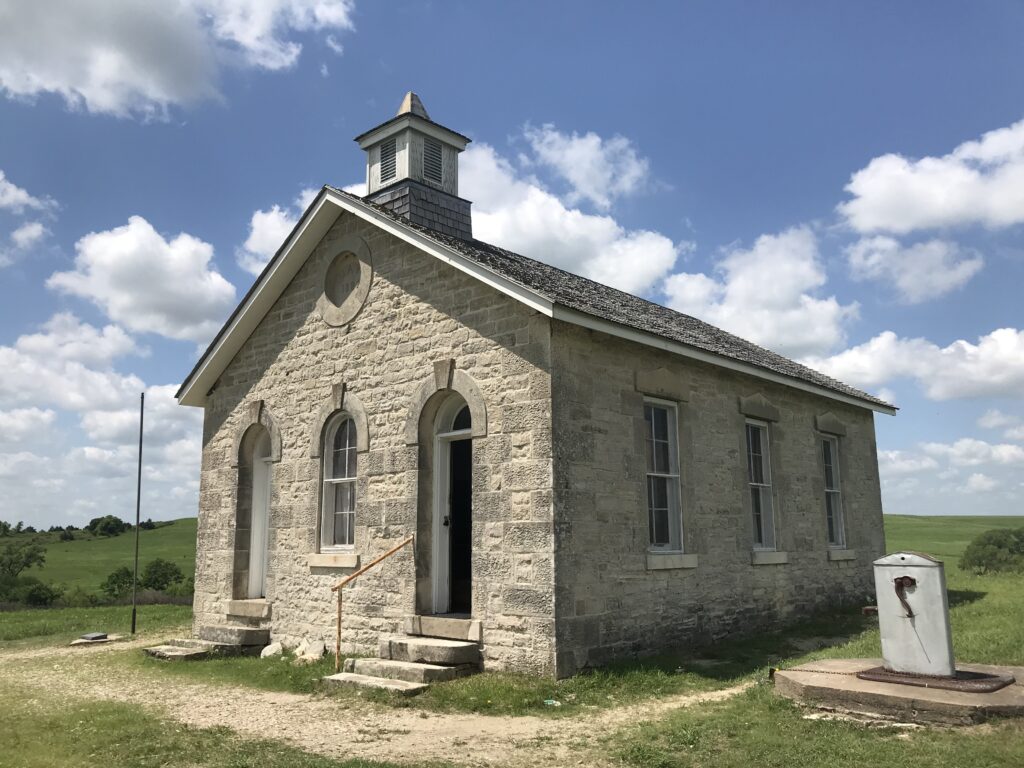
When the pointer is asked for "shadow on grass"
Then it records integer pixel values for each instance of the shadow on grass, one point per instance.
(963, 596)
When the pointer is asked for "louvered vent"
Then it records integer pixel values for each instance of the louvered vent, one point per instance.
(432, 160)
(387, 160)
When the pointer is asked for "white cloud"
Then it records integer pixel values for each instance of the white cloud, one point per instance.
(520, 215)
(767, 294)
(1014, 433)
(895, 463)
(918, 272)
(993, 418)
(599, 170)
(979, 483)
(148, 283)
(22, 424)
(324, 71)
(165, 420)
(15, 199)
(268, 230)
(970, 452)
(979, 182)
(993, 367)
(66, 338)
(21, 464)
(28, 235)
(137, 57)
(334, 45)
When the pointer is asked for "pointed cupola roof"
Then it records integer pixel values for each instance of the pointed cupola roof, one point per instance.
(412, 105)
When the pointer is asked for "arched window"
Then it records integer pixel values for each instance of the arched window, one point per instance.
(338, 518)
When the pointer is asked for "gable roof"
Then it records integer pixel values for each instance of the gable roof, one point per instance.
(554, 292)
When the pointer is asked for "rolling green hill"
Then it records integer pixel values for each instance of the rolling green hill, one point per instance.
(944, 537)
(86, 561)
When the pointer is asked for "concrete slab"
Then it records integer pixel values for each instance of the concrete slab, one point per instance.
(99, 641)
(833, 684)
(410, 671)
(401, 687)
(230, 634)
(178, 653)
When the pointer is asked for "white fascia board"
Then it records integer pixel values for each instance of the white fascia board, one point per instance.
(584, 320)
(284, 268)
(412, 121)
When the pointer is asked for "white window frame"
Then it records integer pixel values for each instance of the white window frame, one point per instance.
(672, 481)
(833, 511)
(331, 483)
(764, 490)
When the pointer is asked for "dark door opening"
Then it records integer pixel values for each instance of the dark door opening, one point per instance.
(460, 548)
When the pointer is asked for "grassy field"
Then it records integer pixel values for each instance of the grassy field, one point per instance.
(87, 561)
(58, 626)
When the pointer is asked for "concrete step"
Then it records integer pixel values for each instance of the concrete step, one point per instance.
(429, 650)
(410, 671)
(401, 687)
(178, 653)
(229, 634)
(444, 626)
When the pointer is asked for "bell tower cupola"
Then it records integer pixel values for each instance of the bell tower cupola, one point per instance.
(412, 168)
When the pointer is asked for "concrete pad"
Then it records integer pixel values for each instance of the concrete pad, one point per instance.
(363, 681)
(833, 684)
(108, 639)
(178, 653)
(235, 635)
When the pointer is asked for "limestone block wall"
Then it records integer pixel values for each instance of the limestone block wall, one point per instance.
(609, 603)
(419, 312)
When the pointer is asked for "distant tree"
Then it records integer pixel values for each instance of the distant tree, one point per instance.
(5, 528)
(54, 529)
(70, 527)
(118, 583)
(29, 529)
(159, 574)
(19, 555)
(995, 551)
(33, 592)
(108, 525)
(66, 535)
(18, 526)
(147, 525)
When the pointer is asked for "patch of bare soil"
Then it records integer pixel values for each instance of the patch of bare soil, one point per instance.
(341, 729)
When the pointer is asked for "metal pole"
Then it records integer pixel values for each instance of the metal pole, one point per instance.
(138, 504)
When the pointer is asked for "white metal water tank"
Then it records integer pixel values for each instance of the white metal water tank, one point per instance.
(913, 614)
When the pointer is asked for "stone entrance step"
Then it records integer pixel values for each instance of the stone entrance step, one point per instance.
(185, 649)
(449, 627)
(409, 671)
(401, 687)
(430, 650)
(229, 634)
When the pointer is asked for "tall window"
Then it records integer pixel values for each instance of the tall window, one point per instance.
(759, 478)
(833, 499)
(663, 477)
(337, 526)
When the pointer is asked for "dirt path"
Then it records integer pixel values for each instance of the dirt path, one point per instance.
(338, 728)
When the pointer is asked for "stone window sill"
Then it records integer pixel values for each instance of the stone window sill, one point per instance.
(768, 557)
(333, 560)
(657, 561)
(842, 554)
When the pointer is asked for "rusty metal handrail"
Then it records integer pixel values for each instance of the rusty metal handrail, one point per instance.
(351, 577)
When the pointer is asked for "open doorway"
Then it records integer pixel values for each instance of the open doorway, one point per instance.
(453, 511)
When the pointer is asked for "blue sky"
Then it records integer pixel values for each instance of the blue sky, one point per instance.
(843, 183)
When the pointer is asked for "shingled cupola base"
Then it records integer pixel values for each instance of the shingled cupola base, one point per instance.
(412, 169)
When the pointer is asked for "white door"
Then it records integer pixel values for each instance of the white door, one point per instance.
(442, 528)
(260, 518)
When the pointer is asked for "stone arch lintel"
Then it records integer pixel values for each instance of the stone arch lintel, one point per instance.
(341, 399)
(446, 377)
(257, 412)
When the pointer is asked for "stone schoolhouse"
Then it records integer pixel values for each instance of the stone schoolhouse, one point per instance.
(587, 475)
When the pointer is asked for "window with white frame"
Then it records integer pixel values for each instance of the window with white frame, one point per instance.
(759, 479)
(663, 477)
(337, 523)
(833, 497)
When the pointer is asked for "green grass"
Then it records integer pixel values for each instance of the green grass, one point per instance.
(944, 537)
(61, 625)
(87, 561)
(758, 728)
(39, 732)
